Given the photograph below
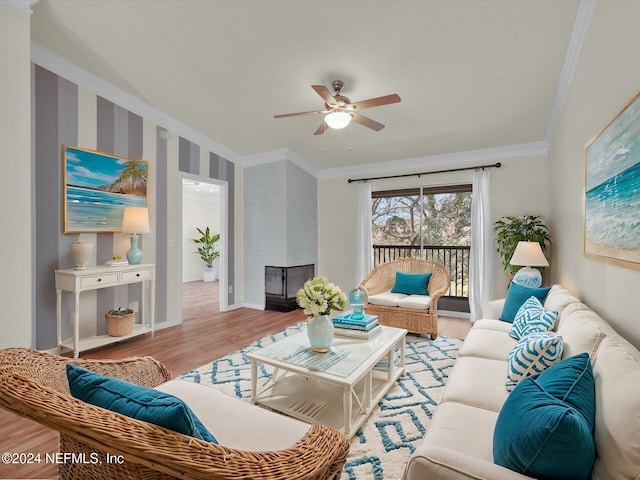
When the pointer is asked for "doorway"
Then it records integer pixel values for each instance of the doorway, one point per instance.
(203, 203)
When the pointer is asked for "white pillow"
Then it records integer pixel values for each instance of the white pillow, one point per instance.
(532, 317)
(532, 355)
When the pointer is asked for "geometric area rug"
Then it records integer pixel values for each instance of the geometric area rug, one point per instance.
(382, 446)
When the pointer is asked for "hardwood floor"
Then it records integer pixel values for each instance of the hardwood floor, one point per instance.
(204, 335)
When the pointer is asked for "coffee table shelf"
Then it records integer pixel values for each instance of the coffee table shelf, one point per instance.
(343, 395)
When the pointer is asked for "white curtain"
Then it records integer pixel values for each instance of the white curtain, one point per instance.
(481, 254)
(364, 242)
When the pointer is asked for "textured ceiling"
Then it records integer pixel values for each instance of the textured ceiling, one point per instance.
(471, 74)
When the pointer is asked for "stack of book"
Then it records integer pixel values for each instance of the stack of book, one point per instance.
(365, 327)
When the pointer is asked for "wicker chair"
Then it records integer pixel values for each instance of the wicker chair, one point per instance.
(33, 384)
(382, 278)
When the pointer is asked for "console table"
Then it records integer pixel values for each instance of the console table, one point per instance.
(94, 278)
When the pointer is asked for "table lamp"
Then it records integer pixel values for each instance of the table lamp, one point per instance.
(135, 221)
(528, 254)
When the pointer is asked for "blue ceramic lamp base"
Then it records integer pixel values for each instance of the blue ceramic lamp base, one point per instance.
(134, 254)
(528, 277)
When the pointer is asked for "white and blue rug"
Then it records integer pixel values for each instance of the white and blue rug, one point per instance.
(382, 447)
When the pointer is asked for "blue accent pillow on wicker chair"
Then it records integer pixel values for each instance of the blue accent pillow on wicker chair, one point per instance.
(545, 427)
(411, 283)
(136, 401)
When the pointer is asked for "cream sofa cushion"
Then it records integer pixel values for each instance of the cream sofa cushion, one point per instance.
(466, 429)
(419, 302)
(489, 324)
(616, 371)
(482, 376)
(582, 330)
(558, 299)
(234, 422)
(386, 299)
(487, 343)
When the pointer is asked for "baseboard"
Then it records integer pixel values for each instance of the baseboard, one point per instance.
(235, 306)
(254, 306)
(450, 313)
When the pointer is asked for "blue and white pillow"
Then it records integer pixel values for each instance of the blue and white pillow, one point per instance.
(532, 355)
(532, 317)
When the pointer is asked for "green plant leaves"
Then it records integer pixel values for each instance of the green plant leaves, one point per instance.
(511, 230)
(207, 245)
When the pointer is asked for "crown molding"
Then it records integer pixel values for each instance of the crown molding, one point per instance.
(578, 34)
(22, 5)
(63, 67)
(446, 160)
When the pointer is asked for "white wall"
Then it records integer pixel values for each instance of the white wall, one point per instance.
(15, 168)
(280, 222)
(518, 188)
(607, 75)
(198, 211)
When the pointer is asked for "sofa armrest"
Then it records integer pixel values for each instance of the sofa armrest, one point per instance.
(432, 461)
(493, 309)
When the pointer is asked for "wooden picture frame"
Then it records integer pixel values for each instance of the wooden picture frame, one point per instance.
(612, 190)
(97, 187)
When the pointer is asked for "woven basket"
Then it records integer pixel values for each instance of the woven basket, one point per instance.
(120, 322)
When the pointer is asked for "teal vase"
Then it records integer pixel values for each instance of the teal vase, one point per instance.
(320, 333)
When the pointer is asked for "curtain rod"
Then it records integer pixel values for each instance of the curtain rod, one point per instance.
(493, 165)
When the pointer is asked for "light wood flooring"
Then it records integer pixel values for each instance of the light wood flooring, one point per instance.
(204, 335)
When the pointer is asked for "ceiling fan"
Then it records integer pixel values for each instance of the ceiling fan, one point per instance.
(339, 111)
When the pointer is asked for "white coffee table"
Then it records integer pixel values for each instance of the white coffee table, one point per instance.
(342, 395)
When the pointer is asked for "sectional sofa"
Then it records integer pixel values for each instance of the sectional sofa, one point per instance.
(459, 443)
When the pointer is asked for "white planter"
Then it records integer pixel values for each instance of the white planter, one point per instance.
(209, 274)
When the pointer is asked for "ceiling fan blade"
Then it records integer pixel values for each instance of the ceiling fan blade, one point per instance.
(324, 93)
(322, 128)
(367, 122)
(313, 112)
(376, 102)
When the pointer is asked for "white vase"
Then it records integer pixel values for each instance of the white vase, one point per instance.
(209, 274)
(320, 333)
(81, 252)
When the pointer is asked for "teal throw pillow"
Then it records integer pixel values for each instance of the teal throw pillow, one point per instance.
(516, 296)
(532, 355)
(411, 283)
(545, 427)
(136, 401)
(532, 317)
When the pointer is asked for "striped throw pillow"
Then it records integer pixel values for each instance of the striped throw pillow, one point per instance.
(532, 317)
(532, 355)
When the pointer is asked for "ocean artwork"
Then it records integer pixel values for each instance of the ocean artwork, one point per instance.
(97, 187)
(612, 190)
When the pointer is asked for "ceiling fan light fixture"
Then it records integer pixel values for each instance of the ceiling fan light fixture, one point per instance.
(337, 119)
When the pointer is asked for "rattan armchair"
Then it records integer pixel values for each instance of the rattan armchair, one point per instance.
(382, 278)
(33, 384)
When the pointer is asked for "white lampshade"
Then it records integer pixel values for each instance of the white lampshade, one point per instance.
(337, 119)
(529, 254)
(135, 220)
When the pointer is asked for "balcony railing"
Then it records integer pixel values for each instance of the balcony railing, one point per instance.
(455, 258)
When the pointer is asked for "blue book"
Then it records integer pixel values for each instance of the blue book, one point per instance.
(361, 328)
(347, 318)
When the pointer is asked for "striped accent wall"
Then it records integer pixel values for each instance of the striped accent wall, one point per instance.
(65, 114)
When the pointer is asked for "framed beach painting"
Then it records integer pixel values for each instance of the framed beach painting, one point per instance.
(612, 190)
(97, 187)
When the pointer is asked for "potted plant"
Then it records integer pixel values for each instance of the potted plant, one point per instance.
(511, 230)
(208, 251)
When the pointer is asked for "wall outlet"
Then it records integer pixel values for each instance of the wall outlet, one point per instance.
(133, 306)
(230, 289)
